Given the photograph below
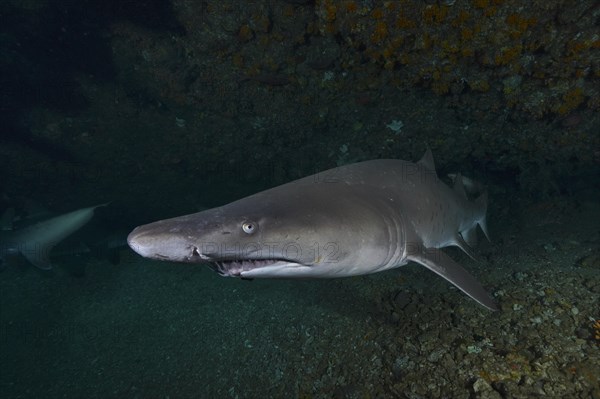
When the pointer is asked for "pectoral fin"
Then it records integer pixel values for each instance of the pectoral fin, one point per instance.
(441, 264)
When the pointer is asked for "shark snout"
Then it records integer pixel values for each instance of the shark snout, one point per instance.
(138, 242)
(150, 245)
(151, 241)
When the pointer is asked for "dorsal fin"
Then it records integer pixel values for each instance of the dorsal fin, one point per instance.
(459, 188)
(427, 160)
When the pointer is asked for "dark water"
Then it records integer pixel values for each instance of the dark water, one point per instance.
(165, 108)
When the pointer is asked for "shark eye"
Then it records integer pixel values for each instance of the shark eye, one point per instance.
(249, 227)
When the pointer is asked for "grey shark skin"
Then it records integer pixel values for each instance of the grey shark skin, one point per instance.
(36, 241)
(356, 219)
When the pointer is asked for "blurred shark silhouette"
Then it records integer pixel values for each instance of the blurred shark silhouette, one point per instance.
(35, 242)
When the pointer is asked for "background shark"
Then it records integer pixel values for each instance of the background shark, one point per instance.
(351, 220)
(36, 241)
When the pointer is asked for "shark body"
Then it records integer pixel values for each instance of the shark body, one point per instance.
(351, 220)
(36, 241)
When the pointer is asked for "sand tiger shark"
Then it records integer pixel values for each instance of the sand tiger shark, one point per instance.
(351, 220)
(36, 241)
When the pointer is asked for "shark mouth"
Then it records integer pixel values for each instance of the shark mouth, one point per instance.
(238, 267)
